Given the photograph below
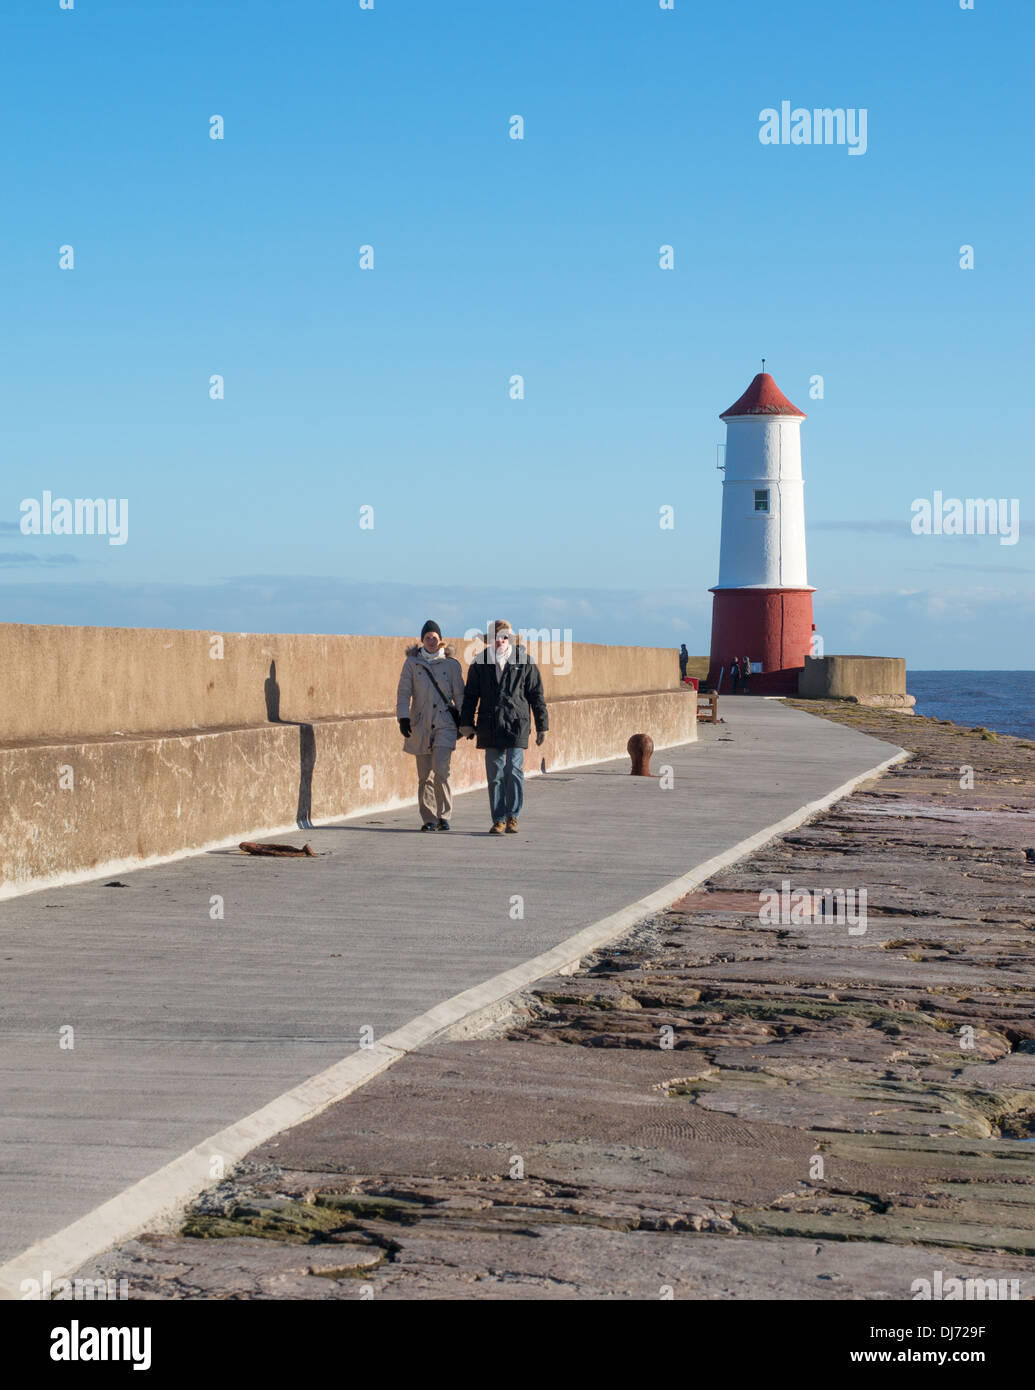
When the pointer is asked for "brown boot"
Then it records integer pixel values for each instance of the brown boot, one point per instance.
(512, 825)
(497, 828)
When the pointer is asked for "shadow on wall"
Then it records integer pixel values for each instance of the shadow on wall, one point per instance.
(306, 749)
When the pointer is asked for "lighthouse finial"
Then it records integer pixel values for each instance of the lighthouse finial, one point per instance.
(763, 366)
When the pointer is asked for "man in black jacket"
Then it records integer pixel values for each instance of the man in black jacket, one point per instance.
(506, 689)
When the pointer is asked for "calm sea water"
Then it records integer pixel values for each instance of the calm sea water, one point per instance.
(999, 700)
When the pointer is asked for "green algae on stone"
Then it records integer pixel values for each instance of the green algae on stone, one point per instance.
(374, 1207)
(295, 1222)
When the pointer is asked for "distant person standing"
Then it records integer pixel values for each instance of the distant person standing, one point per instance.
(684, 657)
(746, 672)
(430, 689)
(735, 674)
(505, 688)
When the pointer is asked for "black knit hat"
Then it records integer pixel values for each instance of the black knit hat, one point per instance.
(429, 626)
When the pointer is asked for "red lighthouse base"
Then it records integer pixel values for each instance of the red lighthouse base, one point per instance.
(773, 626)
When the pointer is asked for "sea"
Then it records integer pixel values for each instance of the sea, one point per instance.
(999, 700)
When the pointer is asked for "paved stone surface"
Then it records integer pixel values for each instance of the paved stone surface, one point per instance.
(838, 1116)
(184, 1022)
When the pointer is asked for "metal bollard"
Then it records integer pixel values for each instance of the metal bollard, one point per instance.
(640, 748)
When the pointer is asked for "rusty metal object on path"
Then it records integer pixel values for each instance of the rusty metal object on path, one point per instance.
(278, 851)
(640, 747)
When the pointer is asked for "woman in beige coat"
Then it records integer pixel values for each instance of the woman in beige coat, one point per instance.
(427, 707)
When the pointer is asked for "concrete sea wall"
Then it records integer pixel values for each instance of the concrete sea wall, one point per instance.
(122, 747)
(866, 679)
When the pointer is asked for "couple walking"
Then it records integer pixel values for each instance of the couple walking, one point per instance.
(741, 671)
(501, 697)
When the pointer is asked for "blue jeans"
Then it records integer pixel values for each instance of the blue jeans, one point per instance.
(503, 768)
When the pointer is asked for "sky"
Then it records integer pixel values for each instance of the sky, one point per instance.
(391, 388)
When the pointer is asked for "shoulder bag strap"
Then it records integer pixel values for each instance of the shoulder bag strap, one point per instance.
(448, 703)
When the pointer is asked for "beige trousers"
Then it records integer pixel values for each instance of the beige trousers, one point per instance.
(434, 794)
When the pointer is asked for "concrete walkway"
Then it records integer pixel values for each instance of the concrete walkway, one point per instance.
(184, 1022)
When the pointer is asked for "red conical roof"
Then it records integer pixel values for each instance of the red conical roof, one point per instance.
(763, 397)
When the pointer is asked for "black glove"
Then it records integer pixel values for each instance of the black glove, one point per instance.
(539, 738)
(404, 728)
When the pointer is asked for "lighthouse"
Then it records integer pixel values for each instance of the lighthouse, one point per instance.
(762, 607)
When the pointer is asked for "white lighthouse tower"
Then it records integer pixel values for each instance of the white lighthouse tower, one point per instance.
(762, 609)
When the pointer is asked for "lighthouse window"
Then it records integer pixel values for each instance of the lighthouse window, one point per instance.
(761, 499)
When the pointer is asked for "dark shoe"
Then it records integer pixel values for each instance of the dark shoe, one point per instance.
(512, 825)
(497, 828)
(443, 825)
(428, 825)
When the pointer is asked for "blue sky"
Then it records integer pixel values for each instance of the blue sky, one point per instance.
(493, 256)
